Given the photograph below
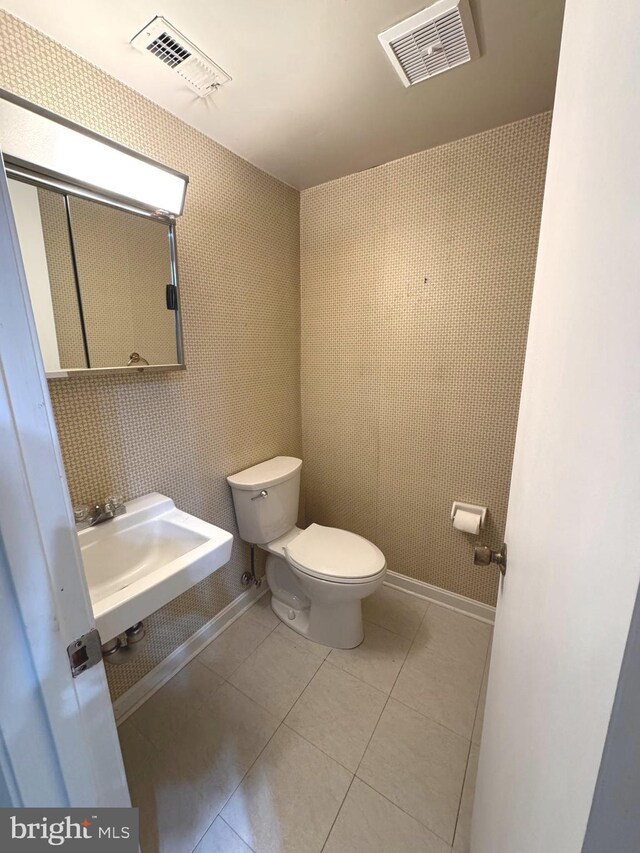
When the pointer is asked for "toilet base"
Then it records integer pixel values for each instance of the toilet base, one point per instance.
(326, 612)
(339, 627)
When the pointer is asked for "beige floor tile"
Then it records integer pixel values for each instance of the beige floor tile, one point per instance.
(418, 765)
(276, 674)
(377, 660)
(337, 713)
(163, 713)
(173, 815)
(438, 688)
(395, 610)
(315, 648)
(220, 838)
(452, 635)
(137, 751)
(225, 654)
(173, 812)
(218, 744)
(461, 843)
(479, 719)
(369, 823)
(262, 612)
(290, 797)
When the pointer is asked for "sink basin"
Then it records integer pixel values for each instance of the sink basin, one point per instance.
(141, 560)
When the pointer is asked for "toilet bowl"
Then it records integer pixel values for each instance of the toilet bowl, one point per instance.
(317, 576)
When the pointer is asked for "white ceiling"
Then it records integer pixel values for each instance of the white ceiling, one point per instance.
(313, 96)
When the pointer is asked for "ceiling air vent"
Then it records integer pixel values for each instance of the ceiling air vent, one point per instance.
(432, 41)
(162, 40)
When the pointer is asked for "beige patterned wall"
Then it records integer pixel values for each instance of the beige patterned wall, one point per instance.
(238, 401)
(64, 297)
(416, 282)
(123, 265)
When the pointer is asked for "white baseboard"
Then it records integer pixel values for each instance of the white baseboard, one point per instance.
(142, 690)
(476, 609)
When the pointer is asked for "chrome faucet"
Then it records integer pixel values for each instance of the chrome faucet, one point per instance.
(87, 517)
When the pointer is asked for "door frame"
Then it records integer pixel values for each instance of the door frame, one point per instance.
(58, 739)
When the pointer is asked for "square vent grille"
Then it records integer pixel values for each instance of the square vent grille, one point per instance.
(162, 40)
(432, 41)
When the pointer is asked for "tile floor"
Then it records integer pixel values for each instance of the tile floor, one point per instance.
(267, 742)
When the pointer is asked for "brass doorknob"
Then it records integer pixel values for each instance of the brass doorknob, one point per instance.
(484, 556)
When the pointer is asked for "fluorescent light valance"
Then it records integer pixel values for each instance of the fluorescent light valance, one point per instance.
(44, 142)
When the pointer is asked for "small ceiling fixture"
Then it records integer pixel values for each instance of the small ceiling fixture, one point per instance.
(431, 41)
(161, 39)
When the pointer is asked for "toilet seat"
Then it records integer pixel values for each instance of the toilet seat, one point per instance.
(335, 555)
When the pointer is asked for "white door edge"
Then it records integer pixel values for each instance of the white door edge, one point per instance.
(48, 719)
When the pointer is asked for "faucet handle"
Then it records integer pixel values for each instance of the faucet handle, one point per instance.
(115, 505)
(81, 512)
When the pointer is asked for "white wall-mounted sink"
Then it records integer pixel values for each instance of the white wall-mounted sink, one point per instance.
(142, 559)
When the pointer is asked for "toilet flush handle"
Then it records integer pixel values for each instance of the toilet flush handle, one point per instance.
(263, 494)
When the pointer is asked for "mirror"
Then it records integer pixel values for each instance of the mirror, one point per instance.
(97, 277)
(124, 265)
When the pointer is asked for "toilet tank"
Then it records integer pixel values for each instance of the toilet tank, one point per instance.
(264, 517)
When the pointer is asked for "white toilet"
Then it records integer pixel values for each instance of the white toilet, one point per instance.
(317, 576)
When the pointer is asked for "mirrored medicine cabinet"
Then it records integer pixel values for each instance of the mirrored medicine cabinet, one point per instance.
(99, 255)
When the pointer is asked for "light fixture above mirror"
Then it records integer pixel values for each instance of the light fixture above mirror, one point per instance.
(96, 224)
(47, 143)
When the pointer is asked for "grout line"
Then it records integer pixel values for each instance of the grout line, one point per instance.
(248, 770)
(281, 723)
(286, 640)
(277, 729)
(346, 794)
(404, 812)
(197, 844)
(450, 843)
(485, 672)
(235, 669)
(464, 781)
(319, 748)
(364, 782)
(431, 720)
(366, 619)
(234, 832)
(357, 677)
(388, 694)
(375, 729)
(421, 713)
(226, 681)
(384, 707)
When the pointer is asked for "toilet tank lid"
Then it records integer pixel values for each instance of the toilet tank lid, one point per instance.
(266, 474)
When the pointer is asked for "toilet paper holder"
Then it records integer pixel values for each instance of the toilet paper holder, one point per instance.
(473, 509)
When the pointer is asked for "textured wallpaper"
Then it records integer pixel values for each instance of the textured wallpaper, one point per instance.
(416, 282)
(62, 281)
(237, 403)
(416, 285)
(123, 268)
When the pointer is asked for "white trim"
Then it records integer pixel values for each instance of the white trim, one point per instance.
(468, 606)
(144, 689)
